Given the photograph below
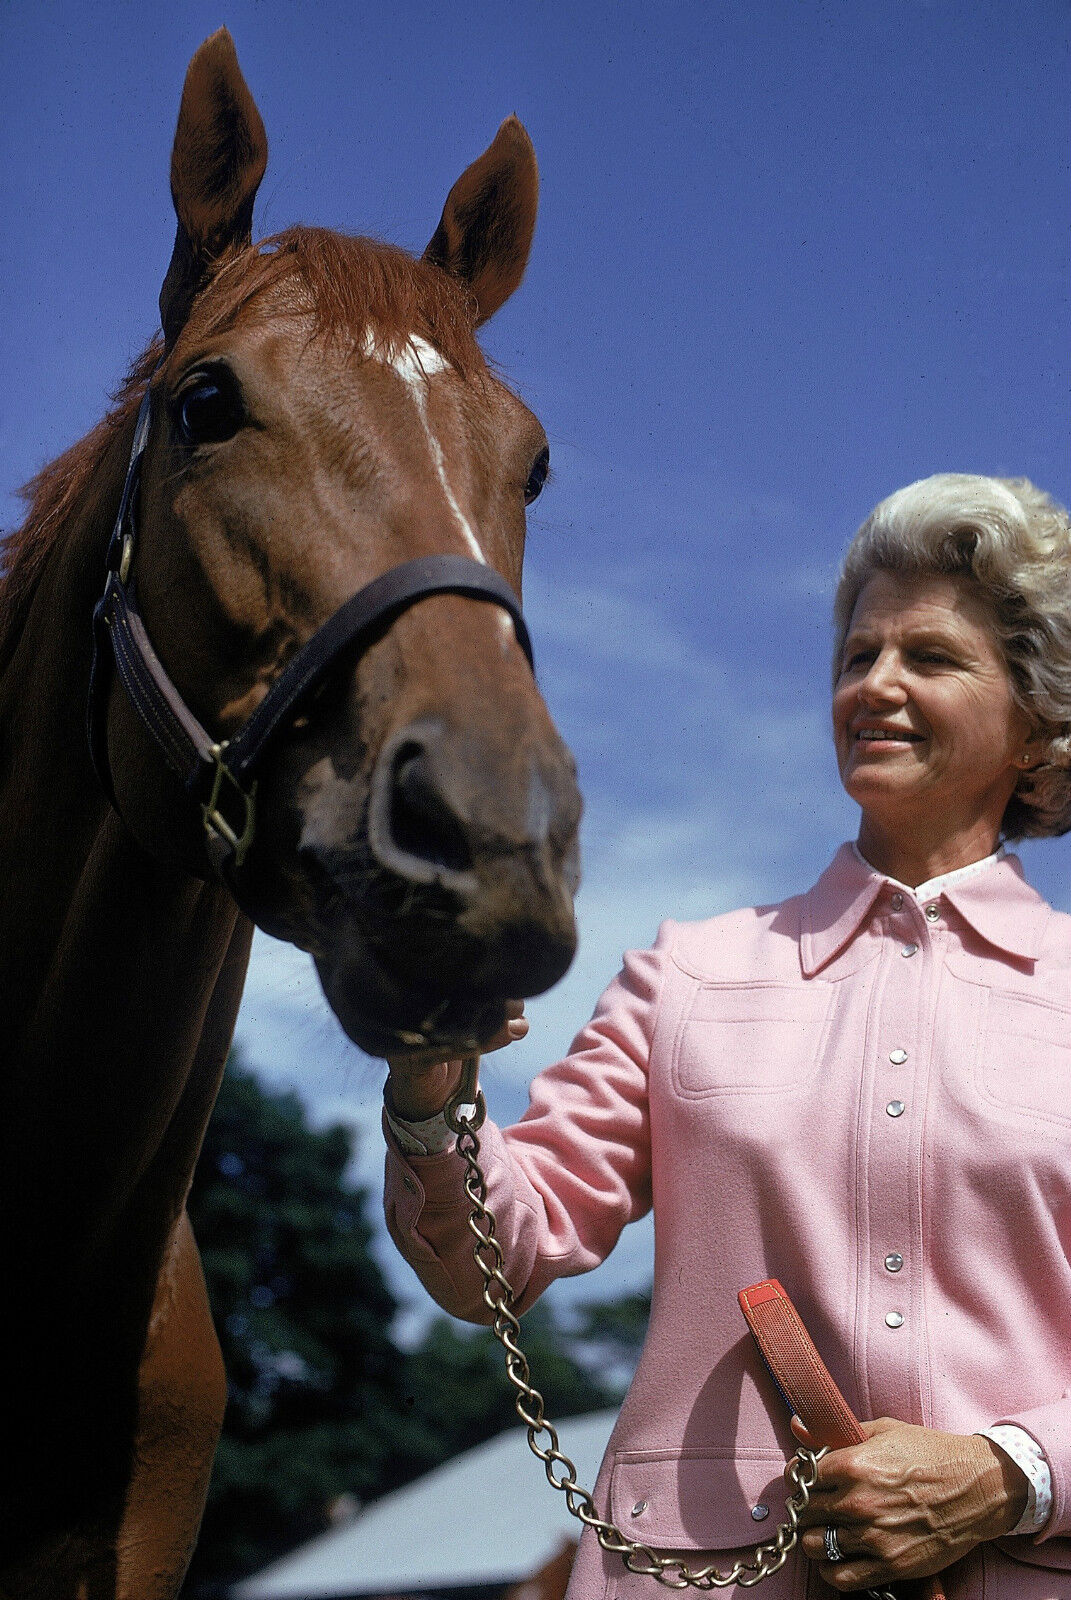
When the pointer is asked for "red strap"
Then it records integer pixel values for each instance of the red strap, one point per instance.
(806, 1384)
(798, 1370)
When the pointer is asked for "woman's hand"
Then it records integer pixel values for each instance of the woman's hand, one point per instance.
(907, 1502)
(420, 1086)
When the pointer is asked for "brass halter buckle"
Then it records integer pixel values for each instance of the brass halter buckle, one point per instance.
(219, 830)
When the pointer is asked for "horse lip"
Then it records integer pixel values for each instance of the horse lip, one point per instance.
(378, 1037)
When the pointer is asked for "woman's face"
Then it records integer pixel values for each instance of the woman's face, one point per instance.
(928, 735)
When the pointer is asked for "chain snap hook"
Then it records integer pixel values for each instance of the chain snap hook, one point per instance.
(467, 1094)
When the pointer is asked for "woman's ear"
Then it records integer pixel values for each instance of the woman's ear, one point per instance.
(217, 162)
(1034, 749)
(485, 233)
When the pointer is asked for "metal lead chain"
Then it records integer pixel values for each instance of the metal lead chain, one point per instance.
(464, 1115)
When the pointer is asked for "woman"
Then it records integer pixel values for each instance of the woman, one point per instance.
(864, 1092)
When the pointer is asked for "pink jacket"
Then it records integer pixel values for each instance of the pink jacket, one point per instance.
(809, 1091)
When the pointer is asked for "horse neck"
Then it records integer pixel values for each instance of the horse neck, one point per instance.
(110, 964)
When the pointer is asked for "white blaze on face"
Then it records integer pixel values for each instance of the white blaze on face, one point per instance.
(415, 363)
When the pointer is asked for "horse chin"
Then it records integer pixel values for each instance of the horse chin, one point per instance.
(383, 1016)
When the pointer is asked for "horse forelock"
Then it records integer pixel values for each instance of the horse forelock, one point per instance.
(361, 293)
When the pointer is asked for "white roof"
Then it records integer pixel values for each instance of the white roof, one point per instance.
(489, 1516)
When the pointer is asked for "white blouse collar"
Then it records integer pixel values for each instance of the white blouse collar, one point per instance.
(934, 886)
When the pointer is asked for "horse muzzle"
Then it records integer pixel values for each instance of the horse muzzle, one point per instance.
(453, 892)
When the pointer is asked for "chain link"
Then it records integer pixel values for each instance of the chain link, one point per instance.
(464, 1116)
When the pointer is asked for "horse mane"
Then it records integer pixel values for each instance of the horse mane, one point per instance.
(352, 286)
(53, 495)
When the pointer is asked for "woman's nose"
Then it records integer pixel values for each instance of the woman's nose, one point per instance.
(883, 683)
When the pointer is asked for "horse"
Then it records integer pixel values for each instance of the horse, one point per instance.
(284, 571)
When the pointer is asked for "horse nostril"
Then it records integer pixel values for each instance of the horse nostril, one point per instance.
(422, 824)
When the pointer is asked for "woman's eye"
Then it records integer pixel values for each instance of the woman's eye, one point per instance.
(537, 477)
(208, 412)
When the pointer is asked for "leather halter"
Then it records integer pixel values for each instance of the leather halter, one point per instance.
(214, 771)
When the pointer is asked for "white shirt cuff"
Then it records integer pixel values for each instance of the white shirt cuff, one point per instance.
(1030, 1458)
(428, 1138)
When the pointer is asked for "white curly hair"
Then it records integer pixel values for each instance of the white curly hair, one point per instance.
(1014, 542)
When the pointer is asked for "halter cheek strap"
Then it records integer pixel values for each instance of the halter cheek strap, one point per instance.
(218, 774)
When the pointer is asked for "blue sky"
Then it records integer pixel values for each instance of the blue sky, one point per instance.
(790, 256)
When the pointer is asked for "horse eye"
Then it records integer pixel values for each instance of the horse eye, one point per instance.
(209, 412)
(538, 476)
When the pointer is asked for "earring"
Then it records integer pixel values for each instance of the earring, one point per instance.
(1026, 761)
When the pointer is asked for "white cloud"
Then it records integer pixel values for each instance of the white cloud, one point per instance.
(605, 625)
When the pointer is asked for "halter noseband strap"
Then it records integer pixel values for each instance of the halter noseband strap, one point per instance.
(219, 772)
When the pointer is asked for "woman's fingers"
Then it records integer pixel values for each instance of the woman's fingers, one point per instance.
(803, 1433)
(906, 1502)
(514, 1028)
(416, 1092)
(421, 1083)
(854, 1569)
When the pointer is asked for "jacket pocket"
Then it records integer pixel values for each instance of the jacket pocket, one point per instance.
(698, 1501)
(752, 1038)
(1024, 1063)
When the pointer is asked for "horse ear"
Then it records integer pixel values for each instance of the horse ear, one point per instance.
(487, 224)
(217, 162)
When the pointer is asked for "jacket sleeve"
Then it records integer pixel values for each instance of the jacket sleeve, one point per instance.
(563, 1181)
(1050, 1426)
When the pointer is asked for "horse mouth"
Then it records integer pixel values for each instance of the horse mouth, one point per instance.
(439, 979)
(383, 1015)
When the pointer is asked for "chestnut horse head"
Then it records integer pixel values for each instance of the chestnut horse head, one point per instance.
(321, 414)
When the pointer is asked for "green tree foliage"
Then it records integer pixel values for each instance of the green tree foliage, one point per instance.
(323, 1402)
(458, 1394)
(610, 1333)
(303, 1316)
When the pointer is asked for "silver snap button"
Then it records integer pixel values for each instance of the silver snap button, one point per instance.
(407, 1183)
(897, 902)
(639, 1508)
(893, 1261)
(759, 1513)
(896, 1108)
(909, 949)
(894, 1319)
(932, 912)
(897, 1057)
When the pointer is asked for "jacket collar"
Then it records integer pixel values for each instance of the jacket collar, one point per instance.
(1001, 906)
(995, 900)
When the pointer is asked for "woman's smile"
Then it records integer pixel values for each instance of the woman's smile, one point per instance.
(877, 738)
